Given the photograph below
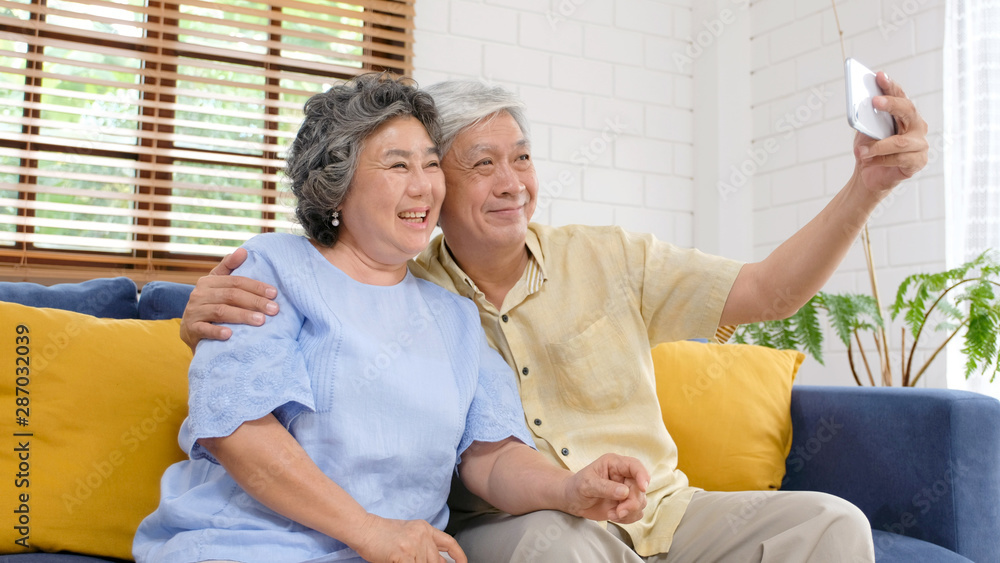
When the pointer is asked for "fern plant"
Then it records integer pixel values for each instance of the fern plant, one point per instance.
(963, 300)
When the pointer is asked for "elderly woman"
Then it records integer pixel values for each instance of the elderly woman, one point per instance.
(332, 433)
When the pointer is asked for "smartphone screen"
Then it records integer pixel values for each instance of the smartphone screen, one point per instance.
(861, 114)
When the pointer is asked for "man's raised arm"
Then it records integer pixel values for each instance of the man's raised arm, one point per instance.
(779, 285)
(222, 298)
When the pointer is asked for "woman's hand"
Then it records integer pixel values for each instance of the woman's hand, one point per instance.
(266, 460)
(611, 488)
(383, 540)
(222, 298)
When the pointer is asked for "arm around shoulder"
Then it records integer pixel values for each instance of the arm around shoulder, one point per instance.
(223, 298)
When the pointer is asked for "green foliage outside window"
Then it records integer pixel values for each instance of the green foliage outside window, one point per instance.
(6, 210)
(231, 115)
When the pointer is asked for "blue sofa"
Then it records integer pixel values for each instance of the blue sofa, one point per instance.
(922, 464)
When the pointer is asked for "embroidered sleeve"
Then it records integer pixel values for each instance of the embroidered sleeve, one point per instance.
(495, 413)
(259, 370)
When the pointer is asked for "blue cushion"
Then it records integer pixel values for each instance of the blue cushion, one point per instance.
(111, 298)
(163, 300)
(894, 548)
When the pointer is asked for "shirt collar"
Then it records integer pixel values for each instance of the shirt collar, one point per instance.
(533, 276)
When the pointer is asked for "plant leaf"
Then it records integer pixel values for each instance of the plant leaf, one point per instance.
(807, 329)
(950, 310)
(981, 335)
(841, 314)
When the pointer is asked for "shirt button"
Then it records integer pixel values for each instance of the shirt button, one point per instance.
(565, 451)
(538, 422)
(524, 370)
(505, 318)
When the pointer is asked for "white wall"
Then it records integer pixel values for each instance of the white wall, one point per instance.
(798, 101)
(641, 108)
(612, 114)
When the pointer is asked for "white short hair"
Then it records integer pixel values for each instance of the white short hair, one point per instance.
(463, 103)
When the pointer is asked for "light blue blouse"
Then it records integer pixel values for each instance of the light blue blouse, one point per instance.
(384, 387)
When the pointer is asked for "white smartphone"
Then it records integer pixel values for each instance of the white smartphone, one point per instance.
(861, 114)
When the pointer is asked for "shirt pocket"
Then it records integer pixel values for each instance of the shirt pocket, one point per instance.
(590, 373)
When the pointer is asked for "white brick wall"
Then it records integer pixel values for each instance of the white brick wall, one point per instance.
(584, 64)
(586, 69)
(795, 48)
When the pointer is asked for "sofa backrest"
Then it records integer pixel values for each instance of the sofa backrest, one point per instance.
(110, 298)
(163, 300)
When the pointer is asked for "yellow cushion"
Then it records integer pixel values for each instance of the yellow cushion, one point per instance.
(727, 406)
(92, 411)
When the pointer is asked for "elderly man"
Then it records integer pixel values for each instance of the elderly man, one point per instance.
(575, 310)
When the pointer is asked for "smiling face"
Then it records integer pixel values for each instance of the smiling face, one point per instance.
(492, 188)
(395, 195)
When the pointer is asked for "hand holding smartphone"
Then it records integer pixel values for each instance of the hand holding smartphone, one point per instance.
(861, 114)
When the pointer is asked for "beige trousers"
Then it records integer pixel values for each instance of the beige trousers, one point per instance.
(778, 527)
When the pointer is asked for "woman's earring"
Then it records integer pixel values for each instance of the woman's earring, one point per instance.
(335, 221)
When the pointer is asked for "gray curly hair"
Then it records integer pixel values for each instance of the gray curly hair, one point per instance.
(324, 155)
(464, 103)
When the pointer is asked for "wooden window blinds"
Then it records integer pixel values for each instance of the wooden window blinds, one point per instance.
(146, 139)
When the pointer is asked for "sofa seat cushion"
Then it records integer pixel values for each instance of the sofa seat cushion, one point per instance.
(894, 548)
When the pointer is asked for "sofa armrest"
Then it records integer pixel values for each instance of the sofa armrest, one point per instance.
(924, 463)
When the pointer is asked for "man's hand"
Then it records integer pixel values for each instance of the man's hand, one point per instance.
(221, 298)
(612, 488)
(881, 165)
(410, 541)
